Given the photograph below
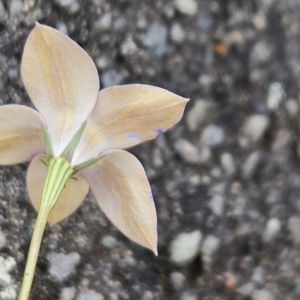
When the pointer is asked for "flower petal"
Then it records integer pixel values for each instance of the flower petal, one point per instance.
(21, 134)
(123, 192)
(127, 115)
(70, 198)
(61, 80)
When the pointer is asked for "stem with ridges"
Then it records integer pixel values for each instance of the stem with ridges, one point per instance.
(59, 171)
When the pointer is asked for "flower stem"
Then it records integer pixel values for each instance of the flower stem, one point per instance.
(58, 173)
(33, 254)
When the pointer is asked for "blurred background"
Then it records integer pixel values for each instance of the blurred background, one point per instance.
(226, 179)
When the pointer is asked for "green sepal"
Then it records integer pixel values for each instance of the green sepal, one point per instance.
(59, 171)
(86, 164)
(71, 147)
(49, 151)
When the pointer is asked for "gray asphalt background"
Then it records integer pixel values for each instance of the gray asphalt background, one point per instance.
(228, 174)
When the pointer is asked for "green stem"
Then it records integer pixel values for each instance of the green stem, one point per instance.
(59, 171)
(33, 254)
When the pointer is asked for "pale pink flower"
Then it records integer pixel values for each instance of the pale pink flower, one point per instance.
(63, 84)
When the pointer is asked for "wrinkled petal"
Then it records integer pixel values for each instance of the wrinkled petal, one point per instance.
(128, 115)
(122, 190)
(21, 134)
(61, 80)
(70, 198)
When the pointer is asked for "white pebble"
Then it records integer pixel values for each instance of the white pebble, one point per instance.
(104, 23)
(250, 164)
(109, 242)
(212, 136)
(177, 280)
(156, 39)
(254, 129)
(177, 33)
(62, 265)
(15, 7)
(191, 153)
(6, 265)
(187, 7)
(262, 295)
(2, 239)
(185, 247)
(148, 295)
(260, 53)
(292, 107)
(247, 289)
(67, 293)
(217, 204)
(228, 163)
(209, 247)
(276, 95)
(272, 229)
(90, 295)
(196, 115)
(128, 47)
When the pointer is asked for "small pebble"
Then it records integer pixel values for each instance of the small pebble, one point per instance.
(148, 295)
(2, 239)
(262, 295)
(212, 136)
(65, 2)
(188, 296)
(276, 95)
(72, 5)
(177, 33)
(109, 242)
(191, 153)
(169, 11)
(67, 293)
(185, 247)
(209, 247)
(258, 276)
(217, 204)
(177, 280)
(250, 164)
(204, 22)
(292, 107)
(6, 265)
(90, 295)
(254, 129)
(272, 229)
(247, 289)
(197, 114)
(156, 39)
(228, 163)
(282, 139)
(62, 265)
(260, 53)
(15, 7)
(104, 23)
(128, 47)
(187, 7)
(9, 292)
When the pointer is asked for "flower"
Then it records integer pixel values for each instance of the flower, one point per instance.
(75, 137)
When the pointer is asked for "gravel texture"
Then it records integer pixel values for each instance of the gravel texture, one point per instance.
(229, 170)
